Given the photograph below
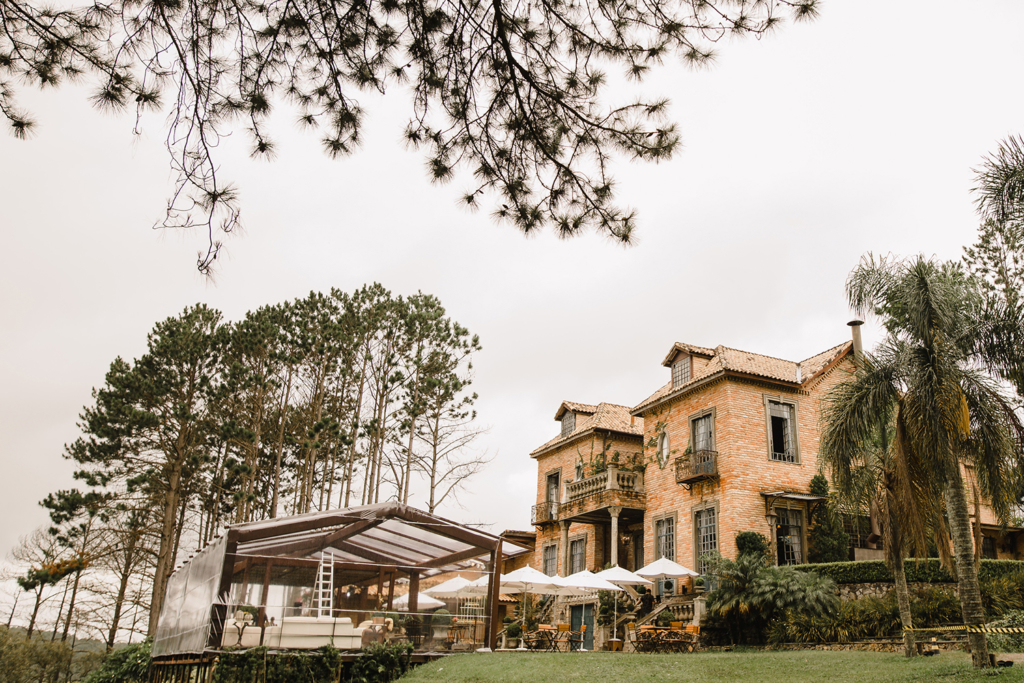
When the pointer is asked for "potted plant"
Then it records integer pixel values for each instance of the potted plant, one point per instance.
(698, 584)
(440, 622)
(512, 633)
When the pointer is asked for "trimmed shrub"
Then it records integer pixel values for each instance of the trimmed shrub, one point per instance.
(918, 571)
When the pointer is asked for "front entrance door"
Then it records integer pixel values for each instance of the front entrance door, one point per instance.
(584, 614)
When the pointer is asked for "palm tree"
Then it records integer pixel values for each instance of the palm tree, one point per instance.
(932, 374)
(882, 476)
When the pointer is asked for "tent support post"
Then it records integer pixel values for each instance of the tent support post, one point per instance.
(493, 590)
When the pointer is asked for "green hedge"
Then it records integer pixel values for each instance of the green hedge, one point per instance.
(922, 571)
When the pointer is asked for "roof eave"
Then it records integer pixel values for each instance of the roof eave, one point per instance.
(544, 450)
(643, 408)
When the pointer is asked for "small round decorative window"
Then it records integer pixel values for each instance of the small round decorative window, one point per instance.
(662, 449)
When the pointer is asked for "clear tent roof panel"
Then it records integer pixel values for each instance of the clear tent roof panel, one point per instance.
(380, 534)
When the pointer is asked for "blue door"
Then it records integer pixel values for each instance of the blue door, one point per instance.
(580, 615)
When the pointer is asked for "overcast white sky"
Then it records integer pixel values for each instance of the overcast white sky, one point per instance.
(801, 152)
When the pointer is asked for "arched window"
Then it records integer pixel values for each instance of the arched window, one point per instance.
(663, 448)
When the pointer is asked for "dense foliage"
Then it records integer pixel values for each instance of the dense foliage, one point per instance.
(381, 663)
(829, 542)
(40, 659)
(752, 543)
(866, 617)
(1008, 642)
(128, 664)
(323, 402)
(918, 571)
(512, 92)
(751, 594)
(317, 666)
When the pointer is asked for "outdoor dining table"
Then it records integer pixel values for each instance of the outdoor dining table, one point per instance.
(549, 638)
(664, 639)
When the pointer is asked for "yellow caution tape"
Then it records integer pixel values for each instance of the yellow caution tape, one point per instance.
(974, 628)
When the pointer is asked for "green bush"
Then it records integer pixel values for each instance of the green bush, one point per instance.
(1003, 594)
(322, 665)
(513, 630)
(1008, 642)
(128, 664)
(918, 571)
(867, 617)
(665, 618)
(380, 663)
(751, 543)
(441, 617)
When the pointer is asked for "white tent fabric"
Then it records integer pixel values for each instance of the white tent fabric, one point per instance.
(452, 588)
(665, 569)
(423, 603)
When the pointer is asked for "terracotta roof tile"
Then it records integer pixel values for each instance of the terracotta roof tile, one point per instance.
(607, 416)
(584, 408)
(746, 362)
(686, 348)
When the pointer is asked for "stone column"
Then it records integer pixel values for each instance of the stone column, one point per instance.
(565, 547)
(614, 511)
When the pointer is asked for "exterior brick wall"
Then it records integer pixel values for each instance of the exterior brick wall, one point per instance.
(746, 468)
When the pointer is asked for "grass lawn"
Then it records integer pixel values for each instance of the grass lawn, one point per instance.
(760, 667)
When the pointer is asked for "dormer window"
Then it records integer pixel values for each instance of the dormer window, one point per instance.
(680, 371)
(568, 423)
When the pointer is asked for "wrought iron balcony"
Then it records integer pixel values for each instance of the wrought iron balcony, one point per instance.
(695, 467)
(545, 513)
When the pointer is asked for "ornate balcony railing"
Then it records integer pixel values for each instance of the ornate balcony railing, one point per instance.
(696, 466)
(544, 513)
(611, 479)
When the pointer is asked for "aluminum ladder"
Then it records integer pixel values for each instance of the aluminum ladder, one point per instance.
(325, 586)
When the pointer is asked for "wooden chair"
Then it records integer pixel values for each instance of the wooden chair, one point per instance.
(641, 641)
(576, 639)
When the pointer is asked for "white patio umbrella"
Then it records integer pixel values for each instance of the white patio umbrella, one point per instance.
(528, 580)
(665, 569)
(585, 582)
(424, 602)
(620, 577)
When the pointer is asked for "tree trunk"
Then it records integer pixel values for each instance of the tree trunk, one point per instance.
(71, 607)
(963, 551)
(280, 444)
(164, 558)
(899, 572)
(35, 612)
(122, 590)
